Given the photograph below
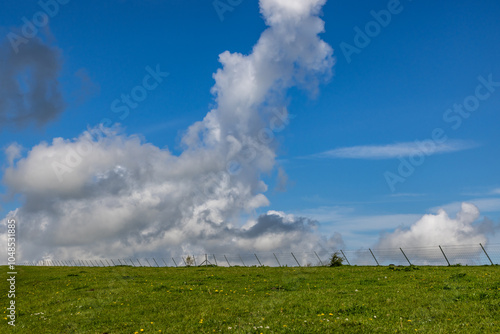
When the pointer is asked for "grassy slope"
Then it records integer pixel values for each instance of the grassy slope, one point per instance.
(256, 300)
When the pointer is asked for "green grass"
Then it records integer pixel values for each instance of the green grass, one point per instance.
(256, 300)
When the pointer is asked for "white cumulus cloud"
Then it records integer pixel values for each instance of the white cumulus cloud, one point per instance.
(108, 194)
(439, 229)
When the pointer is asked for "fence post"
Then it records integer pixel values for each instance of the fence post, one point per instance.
(174, 262)
(227, 260)
(295, 259)
(444, 255)
(405, 256)
(156, 262)
(244, 265)
(321, 262)
(166, 265)
(194, 259)
(102, 263)
(374, 256)
(140, 264)
(149, 264)
(215, 259)
(279, 264)
(121, 264)
(486, 253)
(345, 257)
(257, 259)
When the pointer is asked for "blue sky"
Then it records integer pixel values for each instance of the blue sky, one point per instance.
(341, 143)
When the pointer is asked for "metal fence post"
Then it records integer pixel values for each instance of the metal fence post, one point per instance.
(405, 256)
(345, 257)
(279, 264)
(321, 262)
(174, 262)
(374, 256)
(215, 259)
(295, 259)
(486, 254)
(140, 264)
(260, 264)
(156, 262)
(244, 265)
(444, 256)
(227, 260)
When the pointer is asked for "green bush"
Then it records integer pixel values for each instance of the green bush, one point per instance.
(336, 260)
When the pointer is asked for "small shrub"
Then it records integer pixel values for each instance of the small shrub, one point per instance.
(411, 268)
(336, 260)
(189, 261)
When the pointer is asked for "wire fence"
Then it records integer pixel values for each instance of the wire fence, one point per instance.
(470, 255)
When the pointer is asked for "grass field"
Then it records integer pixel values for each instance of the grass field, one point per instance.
(255, 300)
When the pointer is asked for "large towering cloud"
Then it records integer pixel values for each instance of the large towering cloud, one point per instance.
(108, 194)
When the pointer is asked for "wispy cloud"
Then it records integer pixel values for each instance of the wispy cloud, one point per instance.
(396, 150)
